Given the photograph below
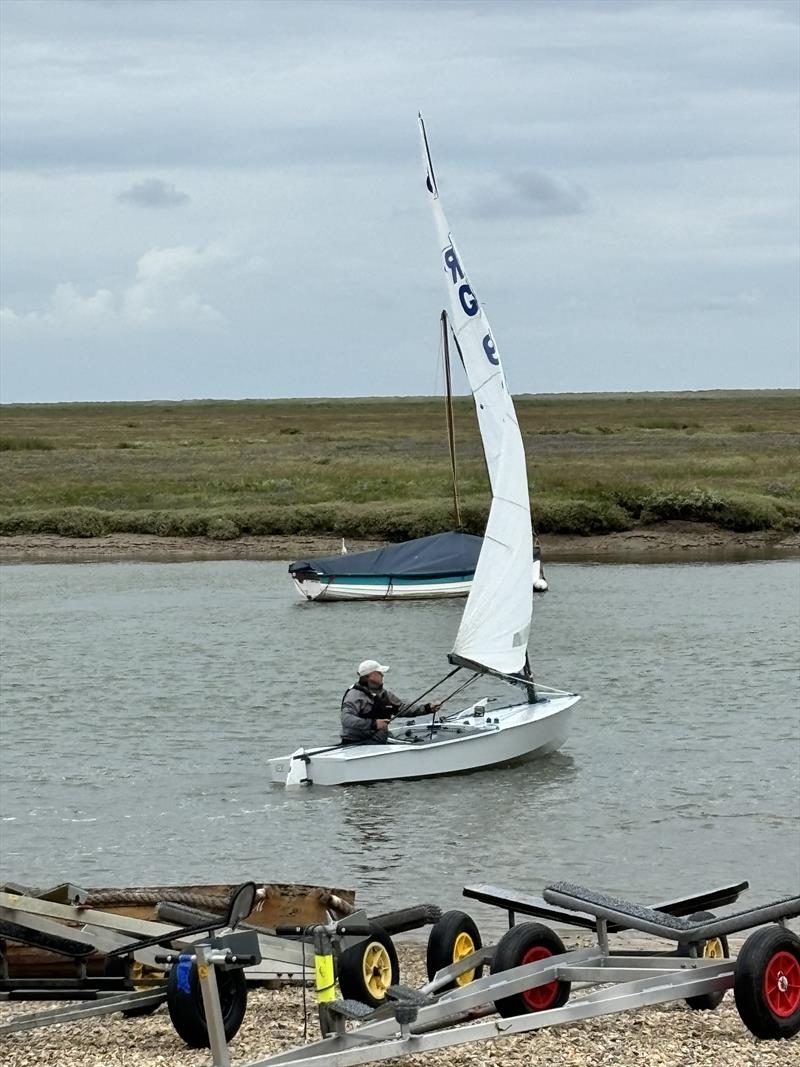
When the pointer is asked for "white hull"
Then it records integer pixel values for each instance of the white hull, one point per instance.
(385, 589)
(465, 742)
(394, 589)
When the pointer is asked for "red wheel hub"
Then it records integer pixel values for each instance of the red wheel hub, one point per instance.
(543, 996)
(782, 984)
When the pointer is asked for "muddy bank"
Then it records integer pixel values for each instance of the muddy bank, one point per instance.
(673, 542)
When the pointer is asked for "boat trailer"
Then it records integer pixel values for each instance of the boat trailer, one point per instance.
(533, 976)
(204, 972)
(125, 942)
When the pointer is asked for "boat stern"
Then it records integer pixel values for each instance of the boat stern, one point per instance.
(288, 770)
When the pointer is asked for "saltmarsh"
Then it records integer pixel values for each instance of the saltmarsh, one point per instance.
(379, 468)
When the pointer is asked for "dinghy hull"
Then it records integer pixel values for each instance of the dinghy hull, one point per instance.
(463, 743)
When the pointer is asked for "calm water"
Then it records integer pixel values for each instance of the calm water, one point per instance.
(141, 701)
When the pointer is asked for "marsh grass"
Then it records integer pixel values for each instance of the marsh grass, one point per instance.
(379, 468)
(25, 444)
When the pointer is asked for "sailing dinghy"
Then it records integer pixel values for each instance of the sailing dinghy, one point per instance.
(492, 639)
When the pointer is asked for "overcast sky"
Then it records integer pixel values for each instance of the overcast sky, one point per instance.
(226, 199)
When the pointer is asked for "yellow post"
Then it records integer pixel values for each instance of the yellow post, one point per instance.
(324, 980)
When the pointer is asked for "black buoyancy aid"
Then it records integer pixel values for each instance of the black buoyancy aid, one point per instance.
(382, 707)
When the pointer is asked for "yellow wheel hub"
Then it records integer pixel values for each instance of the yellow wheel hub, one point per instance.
(713, 950)
(463, 946)
(377, 969)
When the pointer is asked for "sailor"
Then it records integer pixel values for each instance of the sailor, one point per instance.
(367, 707)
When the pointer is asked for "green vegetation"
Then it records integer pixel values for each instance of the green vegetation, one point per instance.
(379, 468)
(22, 444)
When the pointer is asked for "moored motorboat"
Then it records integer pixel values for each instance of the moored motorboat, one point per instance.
(441, 565)
(425, 568)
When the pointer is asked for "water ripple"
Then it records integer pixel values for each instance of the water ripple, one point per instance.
(161, 690)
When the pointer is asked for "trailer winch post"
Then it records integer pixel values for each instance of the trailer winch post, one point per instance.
(207, 956)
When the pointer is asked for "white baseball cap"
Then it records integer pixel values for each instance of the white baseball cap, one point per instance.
(370, 665)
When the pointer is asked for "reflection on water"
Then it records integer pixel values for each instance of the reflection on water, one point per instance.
(141, 701)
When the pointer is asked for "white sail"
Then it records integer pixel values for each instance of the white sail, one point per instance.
(497, 617)
(475, 340)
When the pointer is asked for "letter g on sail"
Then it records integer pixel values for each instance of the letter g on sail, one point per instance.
(469, 301)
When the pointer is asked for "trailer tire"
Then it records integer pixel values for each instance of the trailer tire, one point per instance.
(138, 1013)
(185, 1002)
(451, 939)
(528, 943)
(767, 983)
(715, 948)
(366, 970)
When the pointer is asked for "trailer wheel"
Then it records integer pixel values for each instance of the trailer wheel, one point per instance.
(529, 943)
(767, 983)
(715, 948)
(454, 937)
(185, 1002)
(366, 970)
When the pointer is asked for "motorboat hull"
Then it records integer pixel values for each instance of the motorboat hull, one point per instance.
(386, 587)
(381, 587)
(463, 743)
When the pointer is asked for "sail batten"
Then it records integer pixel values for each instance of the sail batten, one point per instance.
(497, 618)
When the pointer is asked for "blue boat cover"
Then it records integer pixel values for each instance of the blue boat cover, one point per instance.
(437, 556)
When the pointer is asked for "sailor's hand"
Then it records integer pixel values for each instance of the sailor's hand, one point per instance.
(382, 724)
(434, 707)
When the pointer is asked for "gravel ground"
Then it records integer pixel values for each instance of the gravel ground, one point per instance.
(668, 1036)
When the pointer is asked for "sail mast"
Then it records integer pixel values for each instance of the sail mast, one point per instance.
(451, 435)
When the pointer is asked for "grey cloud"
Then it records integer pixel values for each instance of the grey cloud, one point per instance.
(300, 147)
(153, 192)
(529, 192)
(578, 83)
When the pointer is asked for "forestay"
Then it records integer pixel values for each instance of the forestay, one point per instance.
(496, 622)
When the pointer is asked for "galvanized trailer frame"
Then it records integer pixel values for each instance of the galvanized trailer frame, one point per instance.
(516, 903)
(210, 944)
(421, 1021)
(112, 935)
(282, 957)
(108, 932)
